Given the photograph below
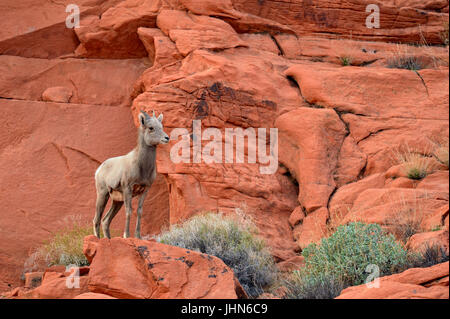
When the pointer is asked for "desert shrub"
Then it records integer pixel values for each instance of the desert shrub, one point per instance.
(232, 239)
(66, 246)
(340, 260)
(429, 256)
(324, 286)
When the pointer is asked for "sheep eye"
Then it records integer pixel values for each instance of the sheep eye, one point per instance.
(150, 128)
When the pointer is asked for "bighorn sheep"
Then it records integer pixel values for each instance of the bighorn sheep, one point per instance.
(124, 177)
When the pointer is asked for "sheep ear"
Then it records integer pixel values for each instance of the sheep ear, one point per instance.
(160, 117)
(142, 118)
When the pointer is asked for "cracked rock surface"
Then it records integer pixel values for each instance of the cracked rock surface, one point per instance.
(70, 99)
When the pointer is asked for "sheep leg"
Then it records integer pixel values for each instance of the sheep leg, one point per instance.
(115, 207)
(137, 232)
(127, 198)
(102, 200)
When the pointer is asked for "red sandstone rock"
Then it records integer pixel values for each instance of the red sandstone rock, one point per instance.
(59, 94)
(92, 295)
(57, 145)
(93, 82)
(191, 32)
(57, 288)
(33, 279)
(385, 205)
(313, 228)
(208, 83)
(114, 34)
(35, 28)
(403, 21)
(415, 283)
(296, 217)
(421, 241)
(305, 135)
(238, 54)
(132, 268)
(161, 49)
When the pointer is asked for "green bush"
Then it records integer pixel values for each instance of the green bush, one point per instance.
(341, 260)
(231, 239)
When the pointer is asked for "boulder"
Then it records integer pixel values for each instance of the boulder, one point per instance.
(191, 32)
(414, 283)
(57, 288)
(133, 268)
(419, 242)
(305, 136)
(59, 94)
(114, 34)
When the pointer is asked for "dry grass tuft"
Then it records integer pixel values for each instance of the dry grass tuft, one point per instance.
(403, 58)
(440, 151)
(416, 164)
(407, 218)
(66, 247)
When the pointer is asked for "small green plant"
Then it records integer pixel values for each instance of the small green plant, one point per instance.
(66, 246)
(341, 260)
(436, 228)
(345, 60)
(232, 239)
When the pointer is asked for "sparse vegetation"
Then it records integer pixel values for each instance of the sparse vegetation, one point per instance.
(341, 260)
(232, 239)
(345, 60)
(436, 228)
(441, 150)
(406, 221)
(403, 59)
(66, 247)
(416, 165)
(324, 286)
(431, 255)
